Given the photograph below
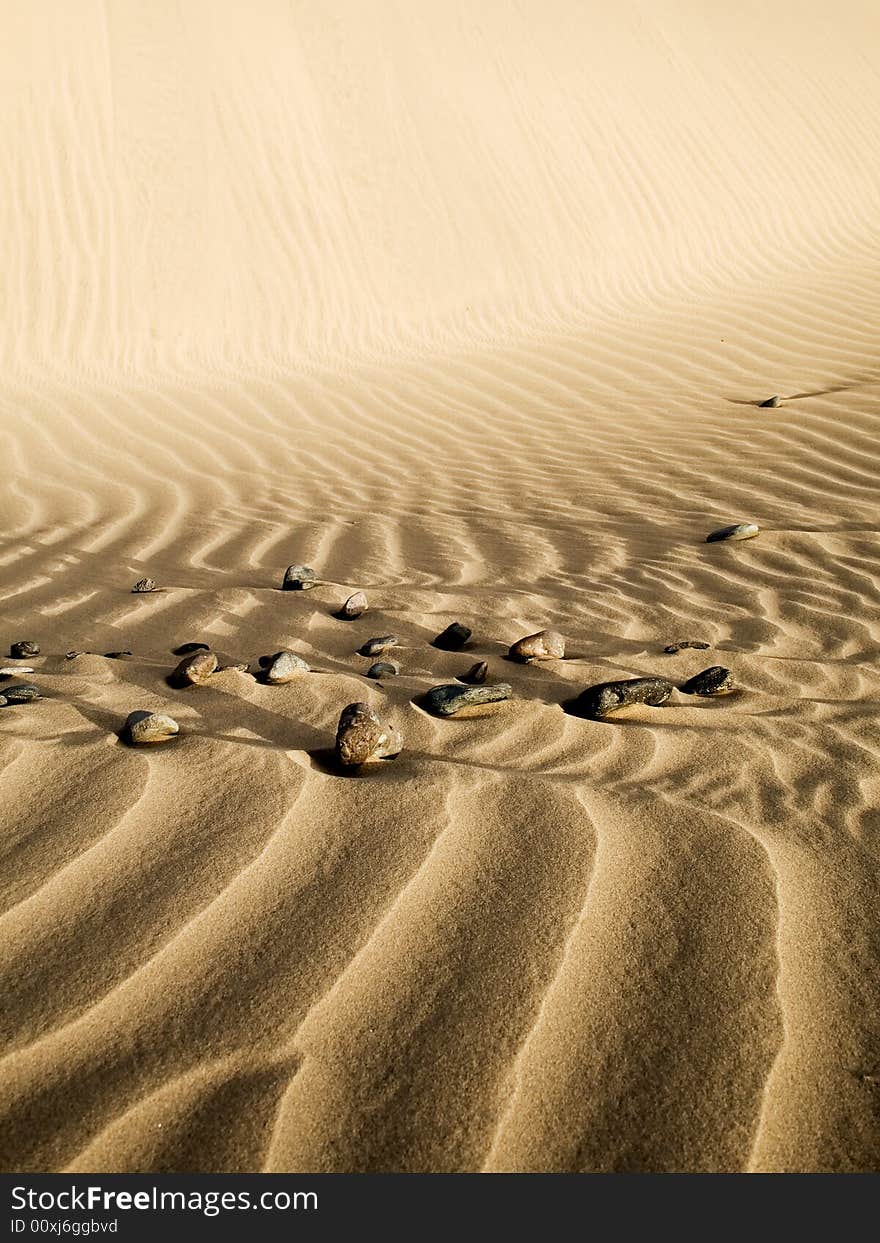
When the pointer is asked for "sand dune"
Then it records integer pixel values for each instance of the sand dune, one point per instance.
(469, 307)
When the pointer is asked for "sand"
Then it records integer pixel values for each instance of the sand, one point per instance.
(470, 307)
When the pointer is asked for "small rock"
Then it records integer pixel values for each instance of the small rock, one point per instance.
(354, 605)
(2, 701)
(21, 694)
(770, 403)
(545, 645)
(195, 670)
(24, 648)
(672, 648)
(598, 701)
(453, 638)
(451, 699)
(383, 669)
(477, 673)
(72, 654)
(362, 737)
(186, 648)
(14, 671)
(373, 647)
(739, 530)
(714, 681)
(142, 586)
(284, 667)
(151, 727)
(298, 578)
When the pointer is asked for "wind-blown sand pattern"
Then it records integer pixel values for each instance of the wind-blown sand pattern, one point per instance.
(470, 307)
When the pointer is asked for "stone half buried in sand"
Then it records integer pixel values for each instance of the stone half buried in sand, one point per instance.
(354, 606)
(383, 669)
(477, 673)
(23, 693)
(453, 638)
(143, 586)
(713, 681)
(545, 645)
(143, 727)
(381, 643)
(195, 670)
(451, 699)
(739, 530)
(599, 701)
(363, 737)
(23, 648)
(770, 403)
(284, 667)
(298, 578)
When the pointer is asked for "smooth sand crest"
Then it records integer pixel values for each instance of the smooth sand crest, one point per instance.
(473, 312)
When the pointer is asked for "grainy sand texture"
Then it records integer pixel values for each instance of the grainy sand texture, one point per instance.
(472, 307)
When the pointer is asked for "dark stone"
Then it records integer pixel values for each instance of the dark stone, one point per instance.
(598, 701)
(477, 673)
(771, 403)
(298, 578)
(714, 681)
(21, 694)
(143, 586)
(453, 638)
(672, 648)
(24, 648)
(450, 699)
(383, 669)
(373, 647)
(117, 655)
(738, 531)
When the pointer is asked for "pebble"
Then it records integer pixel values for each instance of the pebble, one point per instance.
(453, 638)
(672, 648)
(284, 667)
(739, 530)
(771, 403)
(477, 673)
(21, 694)
(713, 681)
(598, 701)
(151, 727)
(450, 699)
(195, 670)
(12, 671)
(545, 645)
(383, 669)
(142, 586)
(373, 647)
(362, 737)
(298, 578)
(24, 648)
(354, 605)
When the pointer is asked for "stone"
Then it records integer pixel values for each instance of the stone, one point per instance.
(713, 681)
(241, 667)
(771, 403)
(284, 667)
(453, 638)
(15, 671)
(362, 737)
(383, 669)
(2, 701)
(739, 530)
(142, 586)
(195, 670)
(151, 727)
(672, 648)
(373, 647)
(298, 578)
(24, 648)
(451, 699)
(354, 605)
(598, 701)
(545, 645)
(477, 673)
(186, 648)
(23, 693)
(73, 654)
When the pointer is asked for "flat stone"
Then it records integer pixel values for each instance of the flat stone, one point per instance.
(739, 530)
(354, 605)
(362, 737)
(477, 673)
(195, 670)
(298, 578)
(383, 669)
(672, 648)
(770, 403)
(598, 701)
(142, 586)
(453, 638)
(713, 681)
(21, 694)
(453, 698)
(545, 645)
(284, 667)
(151, 727)
(24, 648)
(381, 643)
(14, 671)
